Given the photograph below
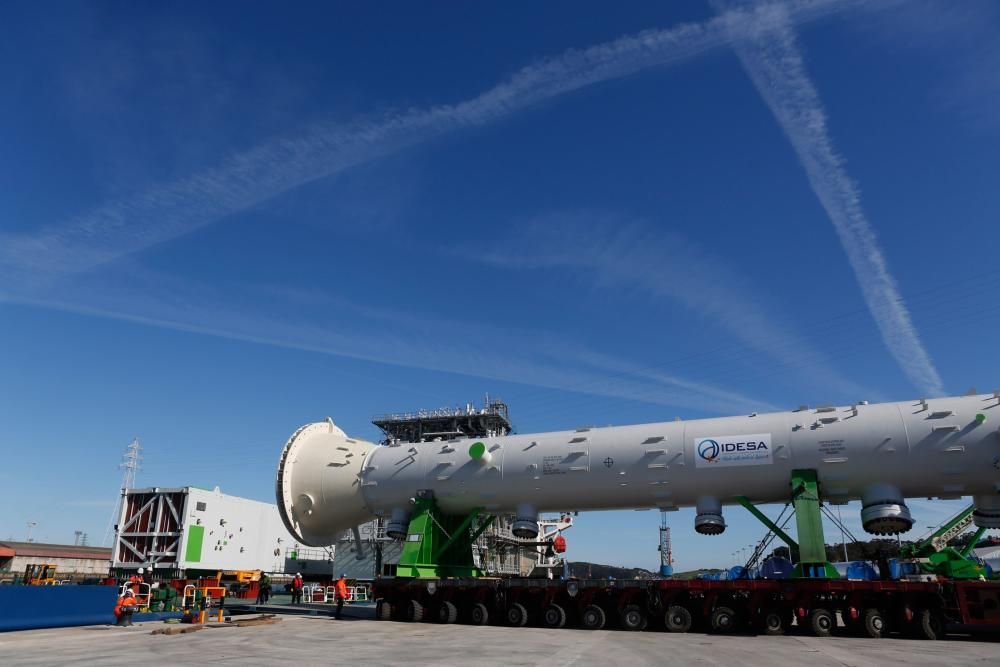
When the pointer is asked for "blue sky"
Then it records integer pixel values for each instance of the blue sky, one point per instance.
(220, 222)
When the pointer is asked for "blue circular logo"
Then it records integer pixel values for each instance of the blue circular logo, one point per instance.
(708, 450)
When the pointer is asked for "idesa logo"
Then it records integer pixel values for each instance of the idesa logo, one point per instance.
(710, 450)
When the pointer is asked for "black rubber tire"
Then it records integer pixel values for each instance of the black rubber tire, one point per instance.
(554, 616)
(722, 620)
(772, 622)
(517, 615)
(678, 619)
(593, 617)
(931, 624)
(873, 623)
(632, 617)
(479, 614)
(383, 610)
(414, 611)
(645, 623)
(822, 622)
(447, 612)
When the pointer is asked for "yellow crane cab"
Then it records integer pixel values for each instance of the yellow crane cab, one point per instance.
(40, 574)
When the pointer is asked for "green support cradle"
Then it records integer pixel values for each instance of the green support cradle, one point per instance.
(439, 545)
(809, 551)
(809, 528)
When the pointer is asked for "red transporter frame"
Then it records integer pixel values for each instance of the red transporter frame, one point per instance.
(872, 608)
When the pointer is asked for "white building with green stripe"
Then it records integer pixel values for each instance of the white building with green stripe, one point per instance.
(174, 532)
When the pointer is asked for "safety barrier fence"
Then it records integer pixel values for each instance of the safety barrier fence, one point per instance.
(328, 594)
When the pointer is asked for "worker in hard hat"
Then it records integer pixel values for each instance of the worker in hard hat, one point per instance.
(340, 592)
(263, 589)
(125, 607)
(137, 578)
(297, 588)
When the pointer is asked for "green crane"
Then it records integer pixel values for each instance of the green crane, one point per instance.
(934, 556)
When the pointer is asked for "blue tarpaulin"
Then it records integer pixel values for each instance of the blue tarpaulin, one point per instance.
(32, 607)
(776, 568)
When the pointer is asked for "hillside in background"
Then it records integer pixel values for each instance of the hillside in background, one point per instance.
(584, 570)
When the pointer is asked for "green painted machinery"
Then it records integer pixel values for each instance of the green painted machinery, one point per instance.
(437, 544)
(933, 555)
(809, 551)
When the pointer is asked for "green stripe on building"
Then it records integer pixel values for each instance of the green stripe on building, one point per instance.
(196, 535)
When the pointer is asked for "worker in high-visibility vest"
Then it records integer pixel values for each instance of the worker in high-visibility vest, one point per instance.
(340, 592)
(125, 607)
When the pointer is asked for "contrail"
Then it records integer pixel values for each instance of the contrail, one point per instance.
(612, 252)
(765, 42)
(421, 346)
(249, 178)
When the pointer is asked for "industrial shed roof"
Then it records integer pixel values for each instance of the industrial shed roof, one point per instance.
(55, 550)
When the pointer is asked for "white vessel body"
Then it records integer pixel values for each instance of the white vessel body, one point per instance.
(878, 453)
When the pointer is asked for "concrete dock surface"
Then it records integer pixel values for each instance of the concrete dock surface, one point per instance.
(321, 640)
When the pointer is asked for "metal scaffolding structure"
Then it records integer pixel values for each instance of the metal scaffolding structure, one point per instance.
(492, 419)
(666, 549)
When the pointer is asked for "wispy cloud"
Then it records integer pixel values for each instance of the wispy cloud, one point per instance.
(249, 178)
(954, 46)
(245, 180)
(523, 356)
(765, 41)
(609, 252)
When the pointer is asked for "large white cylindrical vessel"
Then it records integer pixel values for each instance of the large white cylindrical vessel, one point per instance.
(880, 454)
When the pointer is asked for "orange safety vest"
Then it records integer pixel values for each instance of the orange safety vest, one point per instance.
(126, 600)
(341, 589)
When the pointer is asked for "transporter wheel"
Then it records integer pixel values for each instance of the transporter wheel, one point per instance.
(930, 623)
(678, 619)
(593, 617)
(772, 622)
(383, 610)
(447, 612)
(722, 620)
(554, 616)
(632, 617)
(873, 623)
(645, 622)
(822, 622)
(480, 614)
(517, 615)
(414, 611)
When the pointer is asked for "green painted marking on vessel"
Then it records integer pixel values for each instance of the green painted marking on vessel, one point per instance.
(477, 450)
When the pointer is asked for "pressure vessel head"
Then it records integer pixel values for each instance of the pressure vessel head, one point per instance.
(987, 512)
(525, 523)
(884, 511)
(398, 523)
(318, 486)
(708, 520)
